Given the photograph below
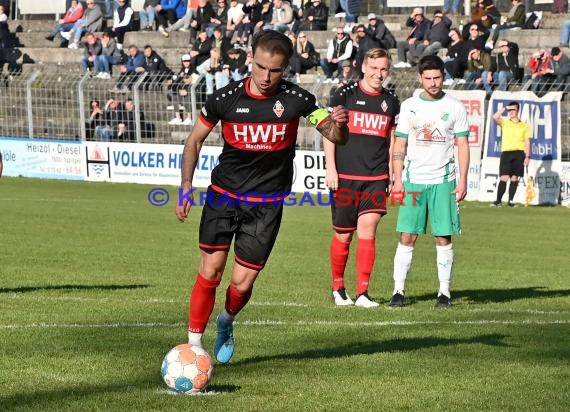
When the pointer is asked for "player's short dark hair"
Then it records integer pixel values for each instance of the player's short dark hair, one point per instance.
(273, 42)
(376, 53)
(431, 62)
(555, 51)
(516, 104)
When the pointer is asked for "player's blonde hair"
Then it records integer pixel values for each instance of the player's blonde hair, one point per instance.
(376, 53)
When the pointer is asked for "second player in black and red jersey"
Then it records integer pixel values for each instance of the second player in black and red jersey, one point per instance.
(259, 118)
(359, 174)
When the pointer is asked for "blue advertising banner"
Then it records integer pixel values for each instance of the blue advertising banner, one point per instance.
(541, 183)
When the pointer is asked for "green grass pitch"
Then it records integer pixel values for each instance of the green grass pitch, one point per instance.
(94, 286)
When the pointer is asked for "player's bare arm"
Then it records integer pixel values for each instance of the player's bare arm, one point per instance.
(331, 177)
(463, 155)
(190, 155)
(334, 127)
(398, 156)
(498, 116)
(390, 160)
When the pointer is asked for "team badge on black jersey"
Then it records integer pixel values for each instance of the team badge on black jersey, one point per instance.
(278, 108)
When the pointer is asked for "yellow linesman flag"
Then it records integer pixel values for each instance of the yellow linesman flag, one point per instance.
(529, 188)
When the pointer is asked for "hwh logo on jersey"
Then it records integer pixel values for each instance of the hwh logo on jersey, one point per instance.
(368, 123)
(259, 136)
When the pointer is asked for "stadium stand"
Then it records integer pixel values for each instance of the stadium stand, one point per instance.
(36, 19)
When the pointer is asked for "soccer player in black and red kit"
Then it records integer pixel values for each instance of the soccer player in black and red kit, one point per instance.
(359, 173)
(259, 117)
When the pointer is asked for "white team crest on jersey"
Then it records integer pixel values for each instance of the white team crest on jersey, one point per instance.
(384, 106)
(278, 109)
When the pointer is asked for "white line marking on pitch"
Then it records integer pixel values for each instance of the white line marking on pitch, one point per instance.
(293, 323)
(21, 296)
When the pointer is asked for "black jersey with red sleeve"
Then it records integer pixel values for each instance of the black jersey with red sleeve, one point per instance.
(259, 135)
(372, 117)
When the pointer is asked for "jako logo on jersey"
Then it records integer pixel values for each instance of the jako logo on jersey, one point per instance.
(361, 102)
(260, 136)
(278, 109)
(368, 123)
(242, 110)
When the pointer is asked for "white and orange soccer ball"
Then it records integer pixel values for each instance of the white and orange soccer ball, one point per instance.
(187, 369)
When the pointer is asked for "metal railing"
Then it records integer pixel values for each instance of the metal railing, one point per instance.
(48, 105)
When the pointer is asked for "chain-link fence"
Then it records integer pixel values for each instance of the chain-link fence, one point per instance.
(149, 109)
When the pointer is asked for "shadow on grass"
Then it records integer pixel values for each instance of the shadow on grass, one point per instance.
(370, 348)
(81, 396)
(25, 289)
(497, 295)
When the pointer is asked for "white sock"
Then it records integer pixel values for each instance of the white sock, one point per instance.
(444, 268)
(195, 339)
(402, 263)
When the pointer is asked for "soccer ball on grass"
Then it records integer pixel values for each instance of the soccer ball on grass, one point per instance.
(187, 369)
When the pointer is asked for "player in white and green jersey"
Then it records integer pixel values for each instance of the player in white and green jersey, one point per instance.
(424, 169)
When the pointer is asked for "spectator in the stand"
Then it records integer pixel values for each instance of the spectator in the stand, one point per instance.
(155, 68)
(419, 26)
(147, 15)
(210, 68)
(281, 17)
(456, 61)
(123, 21)
(74, 13)
(484, 15)
(129, 70)
(4, 29)
(437, 37)
(451, 6)
(168, 12)
(266, 13)
(305, 56)
(348, 6)
(235, 16)
(476, 39)
(201, 18)
(507, 64)
(110, 6)
(182, 24)
(560, 69)
(479, 70)
(200, 51)
(252, 10)
(541, 72)
(514, 20)
(127, 126)
(220, 17)
(378, 31)
(235, 68)
(91, 49)
(338, 51)
(179, 92)
(95, 119)
(92, 21)
(315, 17)
(110, 56)
(565, 34)
(348, 73)
(107, 130)
(221, 42)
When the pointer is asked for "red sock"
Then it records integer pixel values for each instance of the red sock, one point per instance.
(235, 301)
(202, 302)
(339, 256)
(365, 255)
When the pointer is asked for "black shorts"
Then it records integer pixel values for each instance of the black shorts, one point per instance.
(357, 197)
(512, 163)
(254, 225)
